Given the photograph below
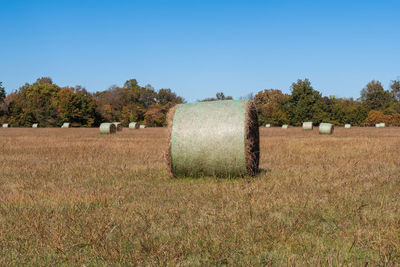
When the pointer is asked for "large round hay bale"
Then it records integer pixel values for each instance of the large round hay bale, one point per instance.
(133, 125)
(326, 128)
(35, 125)
(107, 128)
(308, 126)
(268, 125)
(285, 126)
(217, 138)
(6, 125)
(347, 126)
(66, 125)
(118, 125)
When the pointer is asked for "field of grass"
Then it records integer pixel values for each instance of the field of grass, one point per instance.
(75, 197)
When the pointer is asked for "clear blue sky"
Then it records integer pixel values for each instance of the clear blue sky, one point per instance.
(197, 48)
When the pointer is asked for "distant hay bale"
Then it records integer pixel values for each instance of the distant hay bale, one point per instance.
(6, 125)
(66, 125)
(268, 125)
(285, 126)
(216, 138)
(107, 128)
(347, 126)
(142, 126)
(133, 125)
(380, 125)
(35, 125)
(308, 126)
(326, 128)
(118, 125)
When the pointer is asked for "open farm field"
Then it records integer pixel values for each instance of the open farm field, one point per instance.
(75, 197)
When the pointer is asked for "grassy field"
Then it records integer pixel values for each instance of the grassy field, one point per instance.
(75, 197)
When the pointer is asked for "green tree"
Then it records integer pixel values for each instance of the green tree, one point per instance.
(2, 93)
(268, 103)
(374, 97)
(302, 105)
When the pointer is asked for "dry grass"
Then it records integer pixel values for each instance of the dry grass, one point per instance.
(74, 197)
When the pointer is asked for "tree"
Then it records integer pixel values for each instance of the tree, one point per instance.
(302, 105)
(268, 103)
(395, 86)
(2, 93)
(374, 97)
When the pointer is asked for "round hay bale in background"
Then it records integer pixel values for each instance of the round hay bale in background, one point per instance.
(142, 126)
(133, 125)
(268, 125)
(285, 126)
(308, 126)
(35, 125)
(380, 125)
(216, 138)
(5, 125)
(66, 125)
(326, 128)
(347, 126)
(118, 125)
(107, 128)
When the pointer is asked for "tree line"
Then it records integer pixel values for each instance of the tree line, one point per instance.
(50, 105)
(304, 103)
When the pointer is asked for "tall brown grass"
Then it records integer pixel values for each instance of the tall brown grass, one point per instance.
(75, 197)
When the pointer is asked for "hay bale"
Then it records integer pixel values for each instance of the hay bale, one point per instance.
(118, 125)
(108, 128)
(268, 125)
(142, 126)
(66, 125)
(133, 125)
(35, 125)
(6, 125)
(326, 128)
(285, 126)
(217, 138)
(380, 125)
(347, 126)
(308, 126)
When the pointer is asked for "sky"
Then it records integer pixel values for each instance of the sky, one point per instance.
(198, 48)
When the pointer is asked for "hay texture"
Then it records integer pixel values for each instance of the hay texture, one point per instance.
(133, 125)
(268, 125)
(35, 125)
(347, 126)
(217, 138)
(380, 125)
(142, 126)
(5, 125)
(308, 126)
(108, 128)
(326, 128)
(285, 126)
(66, 125)
(118, 125)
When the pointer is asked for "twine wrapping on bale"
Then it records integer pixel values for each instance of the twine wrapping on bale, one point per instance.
(268, 125)
(285, 126)
(118, 125)
(5, 125)
(108, 128)
(308, 126)
(142, 126)
(35, 125)
(347, 126)
(326, 128)
(133, 125)
(66, 125)
(217, 138)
